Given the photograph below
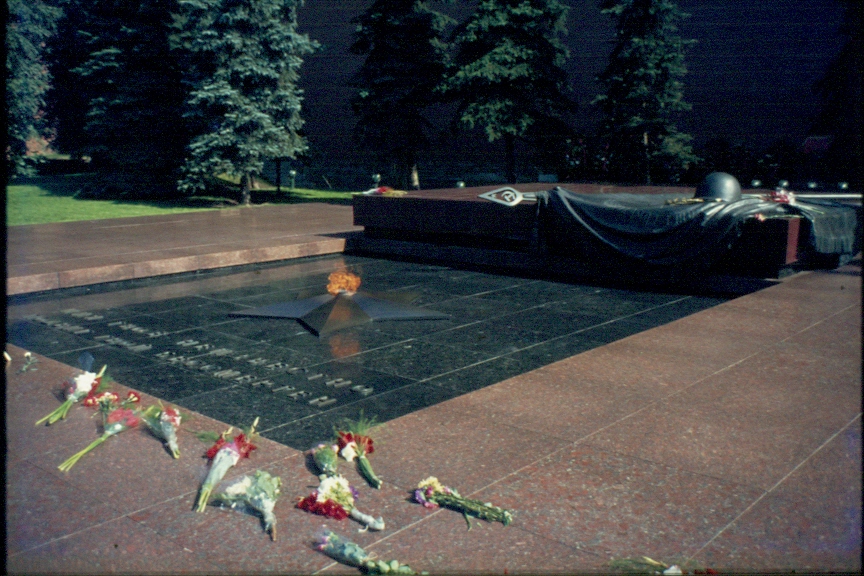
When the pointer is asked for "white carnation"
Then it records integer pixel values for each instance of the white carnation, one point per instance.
(239, 487)
(349, 452)
(83, 382)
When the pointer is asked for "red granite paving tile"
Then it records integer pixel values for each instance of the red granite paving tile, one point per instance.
(121, 546)
(654, 366)
(41, 507)
(132, 470)
(758, 418)
(811, 522)
(392, 503)
(88, 252)
(799, 302)
(293, 551)
(32, 395)
(156, 266)
(96, 275)
(703, 440)
(836, 337)
(22, 283)
(790, 385)
(442, 544)
(556, 401)
(179, 289)
(460, 444)
(615, 506)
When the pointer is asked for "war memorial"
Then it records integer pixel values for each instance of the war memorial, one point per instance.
(643, 372)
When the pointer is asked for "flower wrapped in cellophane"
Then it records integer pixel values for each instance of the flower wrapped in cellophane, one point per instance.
(325, 457)
(347, 552)
(117, 420)
(223, 455)
(164, 422)
(355, 442)
(259, 492)
(82, 386)
(335, 499)
(431, 494)
(646, 565)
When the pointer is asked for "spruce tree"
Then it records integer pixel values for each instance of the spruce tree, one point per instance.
(243, 61)
(507, 72)
(134, 128)
(28, 27)
(644, 92)
(405, 60)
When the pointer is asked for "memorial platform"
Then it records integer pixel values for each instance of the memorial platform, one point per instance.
(729, 438)
(458, 225)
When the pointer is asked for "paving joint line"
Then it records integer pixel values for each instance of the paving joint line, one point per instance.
(775, 486)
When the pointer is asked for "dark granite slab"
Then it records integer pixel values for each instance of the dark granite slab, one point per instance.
(187, 348)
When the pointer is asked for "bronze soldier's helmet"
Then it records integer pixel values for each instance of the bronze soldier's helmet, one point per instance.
(719, 186)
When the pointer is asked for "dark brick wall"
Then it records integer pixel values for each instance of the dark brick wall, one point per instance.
(750, 73)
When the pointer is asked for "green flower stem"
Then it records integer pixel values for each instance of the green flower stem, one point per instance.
(58, 414)
(474, 507)
(365, 469)
(203, 497)
(65, 466)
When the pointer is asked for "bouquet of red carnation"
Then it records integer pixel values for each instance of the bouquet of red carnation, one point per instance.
(335, 498)
(164, 422)
(116, 417)
(355, 442)
(224, 455)
(82, 386)
(118, 420)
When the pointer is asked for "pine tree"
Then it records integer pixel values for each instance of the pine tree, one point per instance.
(30, 24)
(644, 92)
(243, 66)
(405, 60)
(507, 72)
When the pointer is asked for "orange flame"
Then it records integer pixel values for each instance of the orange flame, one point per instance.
(343, 282)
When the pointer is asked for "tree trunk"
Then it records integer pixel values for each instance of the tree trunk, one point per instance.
(510, 158)
(246, 190)
(647, 159)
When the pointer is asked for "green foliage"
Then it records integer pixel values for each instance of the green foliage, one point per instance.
(644, 92)
(60, 199)
(133, 119)
(47, 200)
(507, 71)
(118, 94)
(405, 60)
(30, 24)
(242, 61)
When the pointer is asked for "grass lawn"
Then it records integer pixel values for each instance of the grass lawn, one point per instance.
(48, 199)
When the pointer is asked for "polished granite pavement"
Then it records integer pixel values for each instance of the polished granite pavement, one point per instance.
(189, 349)
(728, 438)
(68, 254)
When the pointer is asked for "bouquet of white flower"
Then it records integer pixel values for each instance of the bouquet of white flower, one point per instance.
(258, 492)
(347, 552)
